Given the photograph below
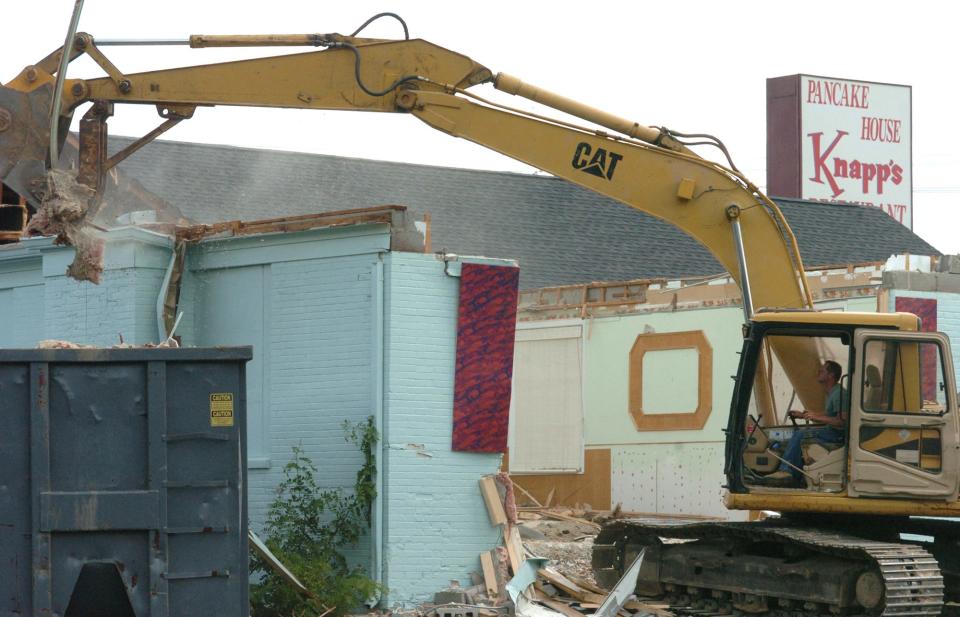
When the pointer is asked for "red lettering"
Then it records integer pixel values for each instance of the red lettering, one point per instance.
(896, 211)
(869, 174)
(883, 174)
(856, 170)
(886, 130)
(838, 93)
(820, 158)
(841, 168)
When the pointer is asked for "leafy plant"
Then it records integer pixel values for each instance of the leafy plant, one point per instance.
(308, 528)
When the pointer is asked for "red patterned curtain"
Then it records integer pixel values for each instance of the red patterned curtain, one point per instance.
(485, 332)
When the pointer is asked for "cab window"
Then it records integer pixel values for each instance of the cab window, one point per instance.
(903, 376)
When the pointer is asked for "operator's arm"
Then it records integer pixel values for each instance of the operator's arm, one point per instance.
(834, 415)
(837, 421)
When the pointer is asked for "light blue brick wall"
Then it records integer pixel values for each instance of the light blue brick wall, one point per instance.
(46, 304)
(21, 295)
(305, 303)
(21, 315)
(436, 524)
(313, 306)
(124, 303)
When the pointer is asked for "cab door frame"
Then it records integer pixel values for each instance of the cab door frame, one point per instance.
(874, 475)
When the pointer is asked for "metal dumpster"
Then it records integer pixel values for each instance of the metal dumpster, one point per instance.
(123, 483)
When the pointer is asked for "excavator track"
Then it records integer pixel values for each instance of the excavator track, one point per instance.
(771, 568)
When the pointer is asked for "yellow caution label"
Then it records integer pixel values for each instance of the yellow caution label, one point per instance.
(221, 409)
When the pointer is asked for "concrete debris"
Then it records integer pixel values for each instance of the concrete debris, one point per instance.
(55, 344)
(58, 344)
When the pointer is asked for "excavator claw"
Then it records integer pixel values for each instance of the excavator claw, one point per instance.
(25, 140)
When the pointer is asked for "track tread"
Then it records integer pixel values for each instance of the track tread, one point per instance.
(913, 583)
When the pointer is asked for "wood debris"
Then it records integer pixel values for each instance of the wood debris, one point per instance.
(551, 593)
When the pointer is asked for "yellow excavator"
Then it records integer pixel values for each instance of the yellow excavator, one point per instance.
(864, 525)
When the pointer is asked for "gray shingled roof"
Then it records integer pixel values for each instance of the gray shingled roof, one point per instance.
(560, 233)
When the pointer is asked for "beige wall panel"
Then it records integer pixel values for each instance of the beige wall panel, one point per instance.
(683, 478)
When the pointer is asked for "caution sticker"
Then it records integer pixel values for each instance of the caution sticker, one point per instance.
(221, 409)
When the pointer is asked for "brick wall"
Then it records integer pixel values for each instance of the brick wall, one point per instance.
(436, 524)
(49, 305)
(307, 311)
(124, 303)
(21, 315)
(312, 307)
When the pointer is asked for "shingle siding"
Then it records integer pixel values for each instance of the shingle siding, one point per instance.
(560, 233)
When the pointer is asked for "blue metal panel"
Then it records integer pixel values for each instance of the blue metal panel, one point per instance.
(99, 510)
(15, 590)
(122, 458)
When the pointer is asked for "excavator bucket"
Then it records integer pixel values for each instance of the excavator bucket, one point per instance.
(60, 201)
(25, 140)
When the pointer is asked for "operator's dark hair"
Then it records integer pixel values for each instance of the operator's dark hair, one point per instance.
(834, 369)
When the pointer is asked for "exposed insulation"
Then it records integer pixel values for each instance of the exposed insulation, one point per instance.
(63, 214)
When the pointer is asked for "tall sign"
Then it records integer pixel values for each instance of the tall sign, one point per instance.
(841, 141)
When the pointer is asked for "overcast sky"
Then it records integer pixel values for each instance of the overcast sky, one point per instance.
(691, 66)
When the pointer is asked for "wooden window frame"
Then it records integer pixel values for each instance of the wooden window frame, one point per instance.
(686, 421)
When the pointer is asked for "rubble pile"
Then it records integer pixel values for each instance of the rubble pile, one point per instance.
(516, 578)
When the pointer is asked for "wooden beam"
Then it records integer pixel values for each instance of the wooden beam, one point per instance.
(489, 574)
(514, 549)
(491, 497)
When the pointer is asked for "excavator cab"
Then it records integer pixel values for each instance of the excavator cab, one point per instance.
(784, 388)
(899, 432)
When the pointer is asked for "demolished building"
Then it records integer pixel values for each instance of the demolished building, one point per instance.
(349, 317)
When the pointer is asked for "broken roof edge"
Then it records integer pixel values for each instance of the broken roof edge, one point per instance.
(152, 242)
(404, 236)
(661, 294)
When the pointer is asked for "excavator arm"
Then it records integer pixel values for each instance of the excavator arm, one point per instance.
(643, 167)
(696, 195)
(646, 168)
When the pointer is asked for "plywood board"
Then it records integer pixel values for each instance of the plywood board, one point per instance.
(491, 497)
(489, 574)
(514, 549)
(654, 609)
(561, 607)
(562, 582)
(592, 487)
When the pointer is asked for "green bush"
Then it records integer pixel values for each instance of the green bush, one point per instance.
(307, 529)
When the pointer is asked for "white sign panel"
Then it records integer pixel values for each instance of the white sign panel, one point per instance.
(856, 144)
